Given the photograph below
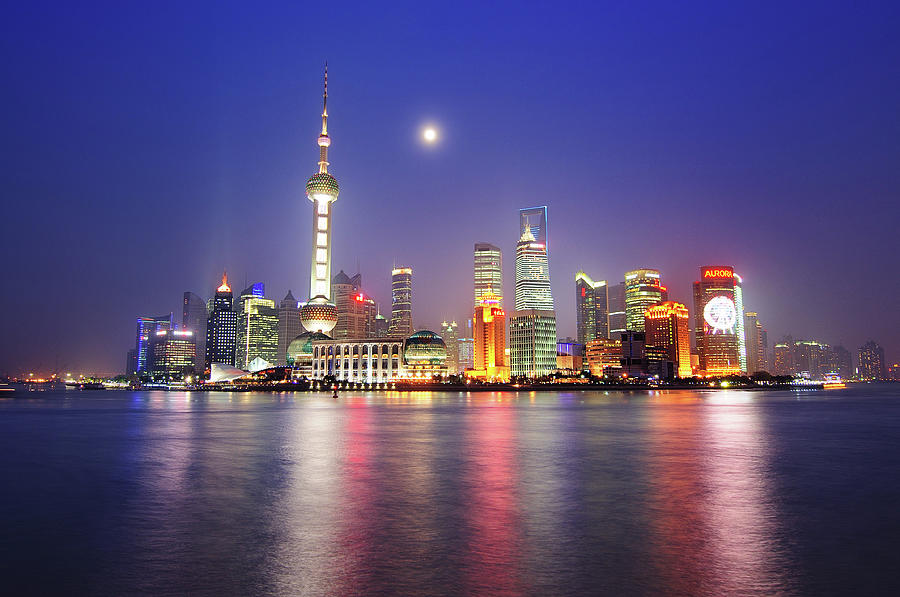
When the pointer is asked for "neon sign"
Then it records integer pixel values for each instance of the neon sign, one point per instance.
(718, 273)
(720, 315)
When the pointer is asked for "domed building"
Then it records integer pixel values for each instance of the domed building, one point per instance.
(425, 355)
(300, 353)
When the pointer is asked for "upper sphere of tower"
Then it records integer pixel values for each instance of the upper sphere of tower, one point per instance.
(322, 183)
(324, 140)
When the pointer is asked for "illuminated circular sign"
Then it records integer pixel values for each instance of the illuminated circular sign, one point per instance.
(720, 315)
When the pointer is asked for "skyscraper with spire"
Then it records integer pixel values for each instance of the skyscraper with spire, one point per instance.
(221, 327)
(319, 314)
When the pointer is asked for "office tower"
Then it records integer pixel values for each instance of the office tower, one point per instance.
(739, 324)
(466, 348)
(221, 327)
(370, 311)
(193, 317)
(382, 326)
(666, 327)
(535, 219)
(448, 333)
(146, 330)
(617, 319)
(764, 364)
(715, 321)
(532, 274)
(784, 357)
(603, 355)
(257, 332)
(488, 270)
(131, 362)
(841, 362)
(591, 308)
(532, 343)
(490, 339)
(642, 291)
(319, 314)
(171, 355)
(753, 340)
(289, 326)
(871, 362)
(401, 302)
(352, 307)
(633, 359)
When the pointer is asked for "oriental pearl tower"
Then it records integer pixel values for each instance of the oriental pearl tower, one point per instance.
(319, 314)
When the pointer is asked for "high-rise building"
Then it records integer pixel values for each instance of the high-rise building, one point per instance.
(617, 319)
(257, 332)
(401, 302)
(289, 326)
(715, 321)
(490, 339)
(871, 362)
(784, 357)
(532, 343)
(764, 363)
(603, 355)
(591, 308)
(756, 347)
(466, 347)
(448, 333)
(841, 362)
(535, 219)
(642, 291)
(319, 314)
(633, 360)
(488, 270)
(666, 327)
(193, 317)
(352, 307)
(171, 355)
(382, 326)
(146, 331)
(739, 325)
(532, 274)
(221, 327)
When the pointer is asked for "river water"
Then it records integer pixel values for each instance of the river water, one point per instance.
(573, 493)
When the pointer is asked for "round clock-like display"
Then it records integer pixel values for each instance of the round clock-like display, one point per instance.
(720, 315)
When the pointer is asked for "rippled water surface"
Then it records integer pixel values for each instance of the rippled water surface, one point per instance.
(680, 492)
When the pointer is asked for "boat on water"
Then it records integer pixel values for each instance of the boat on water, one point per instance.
(85, 385)
(833, 381)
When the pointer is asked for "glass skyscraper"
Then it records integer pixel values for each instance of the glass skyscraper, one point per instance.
(146, 330)
(591, 308)
(221, 327)
(257, 333)
(488, 270)
(642, 291)
(401, 302)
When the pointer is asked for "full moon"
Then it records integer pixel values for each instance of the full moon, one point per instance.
(429, 134)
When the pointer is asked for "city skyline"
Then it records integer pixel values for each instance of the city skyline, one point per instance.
(103, 166)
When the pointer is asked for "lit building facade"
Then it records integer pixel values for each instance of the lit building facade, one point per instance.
(666, 327)
(532, 274)
(535, 220)
(289, 326)
(739, 325)
(424, 356)
(146, 331)
(171, 355)
(617, 317)
(871, 362)
(753, 337)
(257, 333)
(591, 308)
(193, 317)
(633, 359)
(532, 343)
(401, 302)
(466, 348)
(449, 335)
(221, 327)
(642, 291)
(490, 340)
(715, 321)
(368, 360)
(319, 314)
(488, 270)
(603, 355)
(356, 311)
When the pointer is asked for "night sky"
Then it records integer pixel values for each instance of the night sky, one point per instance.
(149, 146)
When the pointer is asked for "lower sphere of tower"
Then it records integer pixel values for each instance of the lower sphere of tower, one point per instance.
(318, 315)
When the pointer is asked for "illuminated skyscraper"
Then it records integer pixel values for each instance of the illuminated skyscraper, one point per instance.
(756, 349)
(401, 302)
(488, 270)
(352, 307)
(466, 354)
(532, 274)
(448, 333)
(666, 327)
(617, 320)
(257, 332)
(642, 291)
(193, 317)
(289, 326)
(221, 327)
(146, 331)
(591, 308)
(532, 343)
(715, 321)
(535, 219)
(319, 314)
(171, 355)
(739, 326)
(490, 339)
(871, 362)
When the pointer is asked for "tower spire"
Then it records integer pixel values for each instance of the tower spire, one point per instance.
(324, 139)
